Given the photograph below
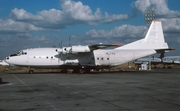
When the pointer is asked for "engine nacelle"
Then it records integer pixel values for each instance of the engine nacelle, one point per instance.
(64, 50)
(79, 49)
(73, 49)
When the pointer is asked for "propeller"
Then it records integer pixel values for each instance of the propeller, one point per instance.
(60, 53)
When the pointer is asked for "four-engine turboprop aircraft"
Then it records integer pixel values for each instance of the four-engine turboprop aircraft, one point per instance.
(85, 58)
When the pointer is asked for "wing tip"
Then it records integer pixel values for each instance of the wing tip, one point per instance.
(116, 45)
(172, 48)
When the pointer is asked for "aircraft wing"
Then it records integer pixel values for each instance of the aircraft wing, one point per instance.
(84, 49)
(102, 46)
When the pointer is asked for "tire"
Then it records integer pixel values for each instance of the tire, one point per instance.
(31, 71)
(81, 71)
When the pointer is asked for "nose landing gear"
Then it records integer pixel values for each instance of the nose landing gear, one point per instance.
(31, 71)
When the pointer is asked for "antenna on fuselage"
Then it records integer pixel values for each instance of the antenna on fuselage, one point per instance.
(60, 44)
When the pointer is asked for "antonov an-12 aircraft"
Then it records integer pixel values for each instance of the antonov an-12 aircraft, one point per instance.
(84, 58)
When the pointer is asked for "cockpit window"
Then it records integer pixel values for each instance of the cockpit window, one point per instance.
(13, 55)
(24, 53)
(19, 53)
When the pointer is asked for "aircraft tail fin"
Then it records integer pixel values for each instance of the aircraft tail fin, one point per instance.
(154, 39)
(155, 34)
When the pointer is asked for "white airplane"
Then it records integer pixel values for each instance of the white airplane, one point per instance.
(167, 59)
(3, 63)
(146, 60)
(84, 58)
(171, 59)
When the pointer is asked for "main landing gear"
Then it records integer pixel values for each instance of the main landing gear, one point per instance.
(83, 70)
(78, 70)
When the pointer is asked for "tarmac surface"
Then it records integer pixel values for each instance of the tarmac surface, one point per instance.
(157, 90)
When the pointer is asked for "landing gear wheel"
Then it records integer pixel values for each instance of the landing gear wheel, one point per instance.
(31, 71)
(81, 71)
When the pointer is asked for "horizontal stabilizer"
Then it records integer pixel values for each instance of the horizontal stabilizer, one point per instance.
(164, 50)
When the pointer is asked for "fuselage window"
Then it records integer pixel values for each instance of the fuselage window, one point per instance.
(51, 57)
(13, 55)
(101, 58)
(107, 58)
(98, 58)
(47, 57)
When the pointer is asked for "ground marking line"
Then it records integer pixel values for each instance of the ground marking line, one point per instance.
(47, 102)
(69, 89)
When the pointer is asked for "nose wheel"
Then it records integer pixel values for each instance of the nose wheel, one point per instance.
(31, 71)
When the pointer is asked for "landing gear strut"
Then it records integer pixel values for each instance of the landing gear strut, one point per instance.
(78, 70)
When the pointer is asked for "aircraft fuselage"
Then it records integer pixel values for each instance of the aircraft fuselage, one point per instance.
(50, 58)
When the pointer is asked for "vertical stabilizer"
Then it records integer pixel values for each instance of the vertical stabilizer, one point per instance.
(154, 39)
(155, 32)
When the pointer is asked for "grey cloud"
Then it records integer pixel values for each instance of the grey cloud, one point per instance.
(11, 27)
(120, 31)
(23, 15)
(171, 25)
(72, 13)
(159, 6)
(170, 18)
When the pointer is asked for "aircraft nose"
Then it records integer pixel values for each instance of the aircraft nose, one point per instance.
(6, 59)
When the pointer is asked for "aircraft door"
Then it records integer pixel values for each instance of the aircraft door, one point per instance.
(108, 58)
(112, 58)
(103, 58)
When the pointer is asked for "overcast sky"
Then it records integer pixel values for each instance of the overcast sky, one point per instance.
(44, 23)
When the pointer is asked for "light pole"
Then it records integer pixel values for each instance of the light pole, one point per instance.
(148, 18)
